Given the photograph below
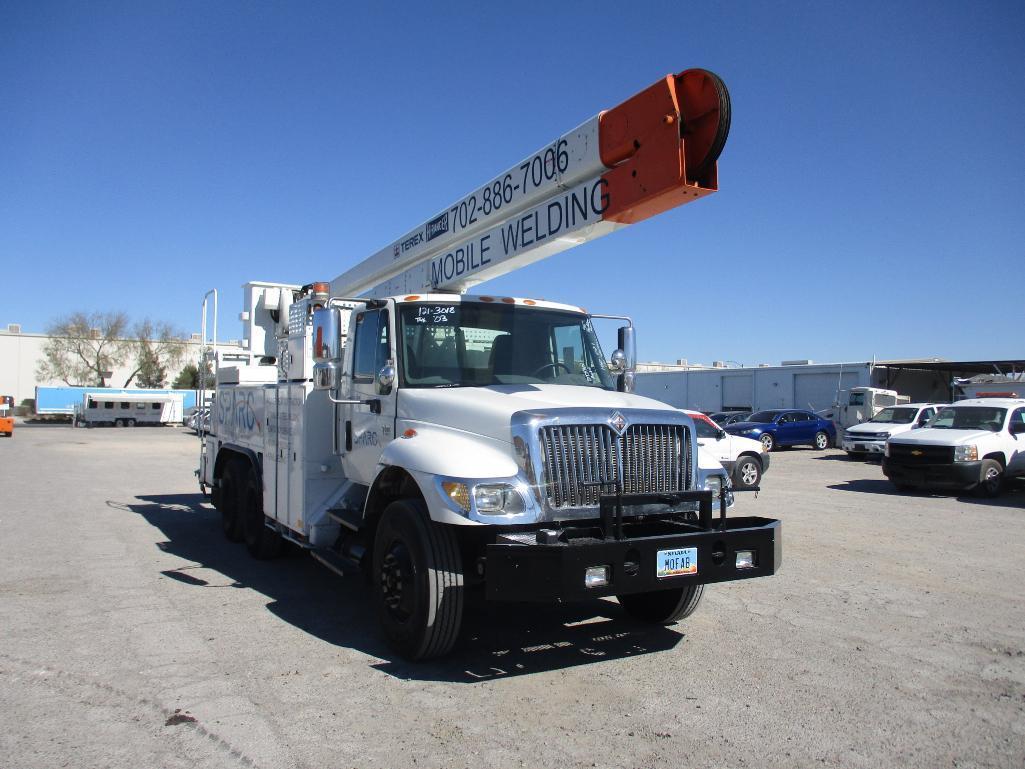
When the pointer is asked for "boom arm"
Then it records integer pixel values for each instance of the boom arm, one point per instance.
(655, 151)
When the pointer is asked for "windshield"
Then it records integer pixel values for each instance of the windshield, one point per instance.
(892, 416)
(470, 344)
(763, 416)
(969, 418)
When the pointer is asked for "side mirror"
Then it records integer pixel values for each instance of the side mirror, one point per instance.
(722, 434)
(617, 362)
(627, 344)
(327, 375)
(327, 334)
(385, 379)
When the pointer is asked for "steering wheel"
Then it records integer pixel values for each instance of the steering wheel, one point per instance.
(552, 366)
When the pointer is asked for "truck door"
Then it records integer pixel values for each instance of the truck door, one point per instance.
(1016, 446)
(368, 428)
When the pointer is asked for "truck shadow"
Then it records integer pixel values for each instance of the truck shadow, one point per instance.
(1013, 496)
(497, 640)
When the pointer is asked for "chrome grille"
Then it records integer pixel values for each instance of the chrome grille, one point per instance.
(654, 459)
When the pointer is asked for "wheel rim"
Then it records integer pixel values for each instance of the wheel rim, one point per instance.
(767, 442)
(749, 474)
(820, 440)
(992, 479)
(397, 587)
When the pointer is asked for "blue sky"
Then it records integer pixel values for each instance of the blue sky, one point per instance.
(872, 191)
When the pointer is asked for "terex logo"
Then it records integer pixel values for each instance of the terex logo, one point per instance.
(437, 226)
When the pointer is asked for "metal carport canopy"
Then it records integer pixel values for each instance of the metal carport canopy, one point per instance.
(953, 368)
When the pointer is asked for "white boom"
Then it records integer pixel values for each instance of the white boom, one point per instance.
(655, 151)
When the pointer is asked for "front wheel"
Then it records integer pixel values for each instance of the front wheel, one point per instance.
(992, 479)
(768, 442)
(747, 473)
(821, 440)
(119, 423)
(662, 607)
(418, 581)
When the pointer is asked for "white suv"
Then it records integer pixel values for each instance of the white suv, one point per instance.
(870, 437)
(974, 443)
(744, 459)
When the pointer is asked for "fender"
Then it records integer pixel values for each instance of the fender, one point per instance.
(438, 450)
(234, 447)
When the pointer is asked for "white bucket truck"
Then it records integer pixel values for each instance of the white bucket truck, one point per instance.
(448, 443)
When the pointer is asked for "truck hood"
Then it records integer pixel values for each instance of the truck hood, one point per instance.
(877, 427)
(942, 437)
(488, 410)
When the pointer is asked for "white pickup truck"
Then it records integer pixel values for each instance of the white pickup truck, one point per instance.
(975, 443)
(745, 459)
(870, 437)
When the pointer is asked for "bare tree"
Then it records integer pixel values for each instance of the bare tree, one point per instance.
(83, 348)
(156, 346)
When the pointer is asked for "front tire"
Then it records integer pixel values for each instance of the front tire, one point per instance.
(768, 442)
(992, 479)
(821, 440)
(747, 473)
(662, 607)
(417, 581)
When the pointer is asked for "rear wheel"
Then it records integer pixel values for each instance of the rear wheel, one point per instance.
(262, 542)
(231, 494)
(747, 473)
(992, 479)
(119, 423)
(418, 581)
(768, 442)
(131, 423)
(663, 607)
(821, 440)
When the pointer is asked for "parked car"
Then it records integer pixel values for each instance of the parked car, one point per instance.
(971, 444)
(786, 427)
(744, 459)
(870, 437)
(723, 418)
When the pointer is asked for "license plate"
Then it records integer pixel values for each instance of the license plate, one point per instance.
(676, 563)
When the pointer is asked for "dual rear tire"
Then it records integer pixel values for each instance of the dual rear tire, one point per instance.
(240, 501)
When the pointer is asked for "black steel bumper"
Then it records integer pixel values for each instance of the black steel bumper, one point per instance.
(957, 475)
(537, 566)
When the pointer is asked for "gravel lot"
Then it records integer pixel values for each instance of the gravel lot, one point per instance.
(132, 634)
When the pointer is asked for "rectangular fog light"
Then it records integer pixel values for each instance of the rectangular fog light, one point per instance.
(746, 559)
(596, 576)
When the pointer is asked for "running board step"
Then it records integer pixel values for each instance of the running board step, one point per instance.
(343, 567)
(350, 519)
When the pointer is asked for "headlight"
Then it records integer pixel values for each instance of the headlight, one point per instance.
(968, 453)
(497, 499)
(714, 484)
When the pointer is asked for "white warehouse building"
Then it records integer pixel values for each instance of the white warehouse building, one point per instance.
(804, 384)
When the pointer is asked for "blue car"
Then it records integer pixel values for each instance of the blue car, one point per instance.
(786, 427)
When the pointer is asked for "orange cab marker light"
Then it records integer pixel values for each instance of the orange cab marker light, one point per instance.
(411, 298)
(410, 433)
(487, 299)
(321, 288)
(508, 300)
(531, 302)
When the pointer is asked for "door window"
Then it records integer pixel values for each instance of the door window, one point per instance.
(372, 345)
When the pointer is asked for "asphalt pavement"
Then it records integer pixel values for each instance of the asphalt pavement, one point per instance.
(132, 634)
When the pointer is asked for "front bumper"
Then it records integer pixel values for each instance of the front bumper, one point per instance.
(863, 445)
(550, 566)
(958, 475)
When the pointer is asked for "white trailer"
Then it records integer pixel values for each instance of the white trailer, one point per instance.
(447, 443)
(130, 409)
